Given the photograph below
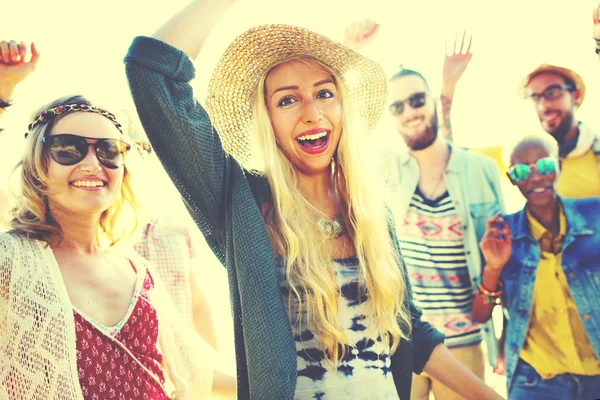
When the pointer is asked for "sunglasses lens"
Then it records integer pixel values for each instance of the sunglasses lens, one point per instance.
(546, 166)
(519, 173)
(417, 100)
(397, 108)
(111, 152)
(66, 149)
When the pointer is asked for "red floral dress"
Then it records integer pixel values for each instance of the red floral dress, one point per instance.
(121, 362)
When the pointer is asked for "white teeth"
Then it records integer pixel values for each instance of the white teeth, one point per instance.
(539, 190)
(313, 137)
(88, 184)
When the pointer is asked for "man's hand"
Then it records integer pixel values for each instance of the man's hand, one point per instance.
(360, 34)
(14, 66)
(456, 63)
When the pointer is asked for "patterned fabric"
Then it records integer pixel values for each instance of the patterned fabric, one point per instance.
(169, 249)
(225, 202)
(365, 370)
(38, 353)
(123, 363)
(556, 341)
(432, 242)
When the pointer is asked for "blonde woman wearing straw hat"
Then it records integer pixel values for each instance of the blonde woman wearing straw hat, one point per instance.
(283, 190)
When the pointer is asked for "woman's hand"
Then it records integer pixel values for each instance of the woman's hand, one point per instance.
(360, 34)
(496, 244)
(14, 65)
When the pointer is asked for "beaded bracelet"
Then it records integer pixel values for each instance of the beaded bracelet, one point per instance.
(487, 296)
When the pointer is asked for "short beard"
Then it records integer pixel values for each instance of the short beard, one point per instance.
(426, 138)
(561, 130)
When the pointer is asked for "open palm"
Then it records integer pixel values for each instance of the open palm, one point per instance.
(456, 63)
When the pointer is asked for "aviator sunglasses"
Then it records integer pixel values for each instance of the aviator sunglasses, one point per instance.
(521, 172)
(417, 100)
(67, 149)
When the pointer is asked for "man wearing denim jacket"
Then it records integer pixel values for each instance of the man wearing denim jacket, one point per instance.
(441, 197)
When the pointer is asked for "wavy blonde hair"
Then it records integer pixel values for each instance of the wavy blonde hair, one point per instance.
(308, 268)
(32, 217)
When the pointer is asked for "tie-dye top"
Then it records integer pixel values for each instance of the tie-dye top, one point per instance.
(364, 373)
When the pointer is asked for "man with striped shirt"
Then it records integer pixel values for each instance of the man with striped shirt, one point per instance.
(442, 197)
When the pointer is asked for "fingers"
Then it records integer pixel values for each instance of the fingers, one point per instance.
(22, 51)
(35, 55)
(5, 52)
(13, 49)
(596, 14)
(462, 44)
(12, 52)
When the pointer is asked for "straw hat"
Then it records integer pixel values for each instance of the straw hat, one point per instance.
(234, 81)
(548, 68)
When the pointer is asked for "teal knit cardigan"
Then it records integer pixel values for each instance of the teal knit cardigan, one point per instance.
(225, 203)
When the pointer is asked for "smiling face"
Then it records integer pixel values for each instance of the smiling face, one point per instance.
(86, 187)
(418, 126)
(538, 189)
(557, 115)
(305, 113)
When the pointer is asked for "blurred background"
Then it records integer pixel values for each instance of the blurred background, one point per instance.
(82, 45)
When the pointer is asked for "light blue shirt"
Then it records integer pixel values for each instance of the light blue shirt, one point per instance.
(473, 182)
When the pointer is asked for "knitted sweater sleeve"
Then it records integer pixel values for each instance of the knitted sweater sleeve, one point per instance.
(180, 131)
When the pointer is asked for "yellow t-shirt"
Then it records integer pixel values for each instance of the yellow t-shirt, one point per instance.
(556, 341)
(580, 177)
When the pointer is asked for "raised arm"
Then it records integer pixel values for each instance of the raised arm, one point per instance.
(159, 70)
(496, 247)
(14, 68)
(455, 65)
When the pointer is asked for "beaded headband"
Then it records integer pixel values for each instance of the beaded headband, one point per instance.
(48, 115)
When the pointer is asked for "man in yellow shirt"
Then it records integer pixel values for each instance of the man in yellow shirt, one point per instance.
(557, 93)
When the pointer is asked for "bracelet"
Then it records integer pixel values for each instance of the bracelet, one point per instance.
(487, 296)
(488, 299)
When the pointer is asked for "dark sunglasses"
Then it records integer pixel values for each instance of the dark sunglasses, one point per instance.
(552, 92)
(521, 172)
(417, 100)
(67, 149)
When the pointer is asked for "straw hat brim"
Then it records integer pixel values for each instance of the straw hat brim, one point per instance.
(548, 68)
(233, 85)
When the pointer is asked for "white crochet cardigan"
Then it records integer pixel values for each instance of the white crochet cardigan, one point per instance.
(37, 331)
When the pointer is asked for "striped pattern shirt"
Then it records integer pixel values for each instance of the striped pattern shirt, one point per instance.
(431, 239)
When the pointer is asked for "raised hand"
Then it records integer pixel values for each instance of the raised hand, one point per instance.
(456, 63)
(496, 244)
(596, 17)
(360, 34)
(14, 66)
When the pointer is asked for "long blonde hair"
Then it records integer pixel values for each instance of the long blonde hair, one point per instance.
(307, 257)
(32, 217)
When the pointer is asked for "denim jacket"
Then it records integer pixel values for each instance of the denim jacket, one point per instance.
(473, 183)
(580, 262)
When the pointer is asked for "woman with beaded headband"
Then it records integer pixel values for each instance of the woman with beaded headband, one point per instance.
(81, 316)
(283, 190)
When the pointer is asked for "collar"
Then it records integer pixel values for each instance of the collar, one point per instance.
(575, 223)
(583, 143)
(453, 162)
(543, 236)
